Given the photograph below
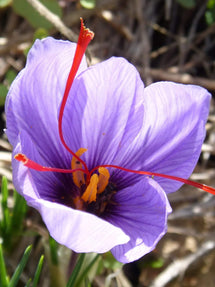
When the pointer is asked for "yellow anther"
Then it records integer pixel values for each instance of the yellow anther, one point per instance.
(104, 176)
(90, 193)
(78, 176)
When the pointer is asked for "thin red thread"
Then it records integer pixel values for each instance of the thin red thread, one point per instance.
(84, 39)
(186, 181)
(33, 165)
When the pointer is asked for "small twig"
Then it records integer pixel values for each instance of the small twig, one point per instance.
(5, 156)
(5, 145)
(109, 17)
(73, 17)
(162, 50)
(7, 173)
(208, 174)
(12, 43)
(194, 210)
(145, 44)
(182, 231)
(164, 31)
(168, 4)
(54, 19)
(180, 266)
(37, 228)
(120, 278)
(182, 78)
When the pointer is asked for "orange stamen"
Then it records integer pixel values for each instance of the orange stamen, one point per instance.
(78, 176)
(91, 191)
(103, 179)
(84, 39)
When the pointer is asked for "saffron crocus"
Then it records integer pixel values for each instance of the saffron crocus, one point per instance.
(95, 152)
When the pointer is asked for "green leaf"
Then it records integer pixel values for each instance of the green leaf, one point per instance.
(88, 4)
(210, 13)
(18, 214)
(12, 220)
(28, 284)
(5, 3)
(23, 8)
(10, 76)
(6, 217)
(187, 3)
(3, 94)
(53, 250)
(210, 17)
(86, 270)
(157, 263)
(3, 273)
(110, 262)
(211, 4)
(87, 283)
(40, 33)
(76, 270)
(15, 278)
(38, 271)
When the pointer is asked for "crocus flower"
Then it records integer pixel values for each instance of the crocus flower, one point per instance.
(95, 152)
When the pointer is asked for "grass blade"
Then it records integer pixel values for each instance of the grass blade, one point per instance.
(19, 211)
(76, 270)
(3, 272)
(15, 278)
(53, 250)
(87, 269)
(28, 283)
(38, 271)
(6, 218)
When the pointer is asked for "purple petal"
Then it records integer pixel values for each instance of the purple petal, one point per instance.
(35, 96)
(141, 213)
(173, 131)
(78, 230)
(107, 110)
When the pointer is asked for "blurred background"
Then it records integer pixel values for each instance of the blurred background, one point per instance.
(166, 40)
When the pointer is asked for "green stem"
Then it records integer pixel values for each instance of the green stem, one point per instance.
(3, 272)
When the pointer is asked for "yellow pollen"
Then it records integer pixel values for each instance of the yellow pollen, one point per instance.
(90, 193)
(78, 176)
(104, 176)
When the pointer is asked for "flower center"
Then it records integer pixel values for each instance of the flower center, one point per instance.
(92, 188)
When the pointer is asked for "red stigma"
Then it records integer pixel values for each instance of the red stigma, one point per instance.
(84, 39)
(204, 187)
(21, 157)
